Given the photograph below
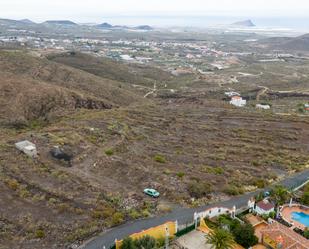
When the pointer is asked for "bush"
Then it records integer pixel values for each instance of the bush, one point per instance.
(233, 190)
(180, 174)
(146, 213)
(134, 214)
(102, 212)
(109, 152)
(117, 218)
(306, 233)
(272, 215)
(39, 233)
(12, 184)
(159, 159)
(260, 183)
(214, 170)
(128, 243)
(305, 198)
(146, 242)
(199, 189)
(244, 235)
(218, 170)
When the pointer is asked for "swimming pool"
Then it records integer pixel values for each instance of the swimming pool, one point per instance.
(301, 218)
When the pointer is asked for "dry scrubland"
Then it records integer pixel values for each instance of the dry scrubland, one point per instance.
(193, 149)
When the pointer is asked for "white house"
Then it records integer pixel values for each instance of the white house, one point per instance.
(27, 147)
(238, 101)
(261, 106)
(264, 207)
(214, 212)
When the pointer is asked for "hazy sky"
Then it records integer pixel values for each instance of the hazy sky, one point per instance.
(95, 10)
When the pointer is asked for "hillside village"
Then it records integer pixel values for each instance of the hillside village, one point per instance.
(110, 132)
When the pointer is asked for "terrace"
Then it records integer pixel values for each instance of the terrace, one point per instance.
(296, 215)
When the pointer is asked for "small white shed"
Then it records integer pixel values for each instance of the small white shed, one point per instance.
(27, 147)
(262, 106)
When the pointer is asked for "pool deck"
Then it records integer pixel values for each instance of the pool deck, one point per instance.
(286, 214)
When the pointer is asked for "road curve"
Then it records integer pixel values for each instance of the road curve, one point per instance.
(182, 215)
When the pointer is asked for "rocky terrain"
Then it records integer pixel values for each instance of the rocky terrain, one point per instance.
(114, 112)
(189, 144)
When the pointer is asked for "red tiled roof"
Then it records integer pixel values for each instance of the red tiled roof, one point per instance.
(290, 239)
(265, 205)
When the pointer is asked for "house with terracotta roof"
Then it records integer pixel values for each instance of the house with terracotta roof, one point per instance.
(238, 101)
(264, 207)
(278, 236)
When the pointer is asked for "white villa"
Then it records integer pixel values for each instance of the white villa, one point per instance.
(238, 101)
(264, 207)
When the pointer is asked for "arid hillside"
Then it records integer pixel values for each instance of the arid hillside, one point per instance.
(194, 148)
(35, 88)
(107, 68)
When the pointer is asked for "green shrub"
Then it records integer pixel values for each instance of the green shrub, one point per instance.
(146, 213)
(305, 198)
(117, 218)
(218, 170)
(199, 189)
(39, 233)
(213, 170)
(306, 233)
(160, 159)
(260, 183)
(109, 152)
(180, 174)
(102, 212)
(146, 242)
(134, 214)
(128, 243)
(233, 190)
(244, 235)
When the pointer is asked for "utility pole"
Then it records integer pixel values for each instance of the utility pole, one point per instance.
(167, 235)
(195, 220)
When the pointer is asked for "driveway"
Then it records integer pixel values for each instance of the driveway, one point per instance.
(193, 240)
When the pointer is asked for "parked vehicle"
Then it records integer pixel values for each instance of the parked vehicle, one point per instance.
(151, 192)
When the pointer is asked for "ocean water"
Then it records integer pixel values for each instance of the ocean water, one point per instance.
(299, 24)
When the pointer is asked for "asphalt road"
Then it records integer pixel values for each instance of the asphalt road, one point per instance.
(182, 215)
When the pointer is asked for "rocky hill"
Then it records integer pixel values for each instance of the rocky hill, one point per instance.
(107, 68)
(245, 23)
(43, 89)
(105, 25)
(300, 43)
(60, 22)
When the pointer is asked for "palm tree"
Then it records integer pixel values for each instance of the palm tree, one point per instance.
(220, 239)
(280, 194)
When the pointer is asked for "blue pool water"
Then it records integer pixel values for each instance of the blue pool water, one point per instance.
(301, 218)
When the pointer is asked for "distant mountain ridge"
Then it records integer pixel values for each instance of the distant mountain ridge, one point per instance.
(106, 25)
(245, 23)
(299, 43)
(27, 21)
(60, 22)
